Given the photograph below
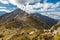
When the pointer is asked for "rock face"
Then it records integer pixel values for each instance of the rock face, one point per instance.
(19, 24)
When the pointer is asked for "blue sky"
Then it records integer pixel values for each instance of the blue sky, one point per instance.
(47, 7)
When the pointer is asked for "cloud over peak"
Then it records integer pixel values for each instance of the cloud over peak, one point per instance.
(4, 1)
(23, 1)
(40, 5)
(24, 5)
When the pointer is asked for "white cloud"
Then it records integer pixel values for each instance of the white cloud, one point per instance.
(22, 1)
(7, 11)
(4, 1)
(55, 5)
(38, 5)
(55, 15)
(24, 5)
(2, 7)
(29, 8)
(20, 4)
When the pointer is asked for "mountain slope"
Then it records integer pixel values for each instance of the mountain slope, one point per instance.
(23, 17)
(23, 24)
(48, 20)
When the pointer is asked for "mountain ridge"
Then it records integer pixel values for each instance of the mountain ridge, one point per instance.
(19, 25)
(20, 13)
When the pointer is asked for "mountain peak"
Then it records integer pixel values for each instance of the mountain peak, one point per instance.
(19, 12)
(13, 14)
